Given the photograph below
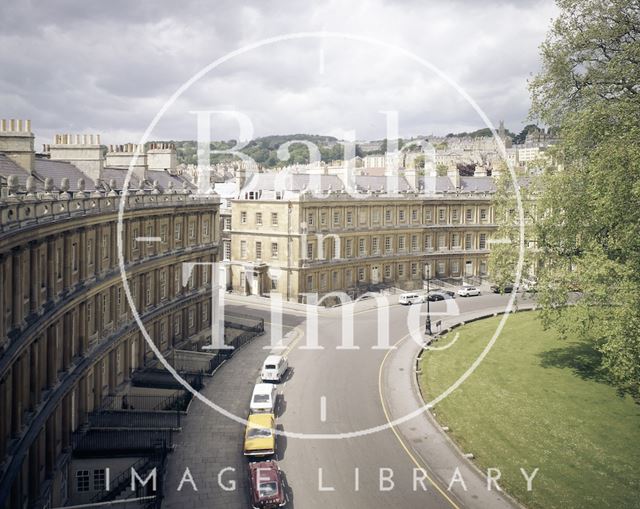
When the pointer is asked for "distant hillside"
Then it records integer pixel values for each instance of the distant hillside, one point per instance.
(478, 133)
(264, 150)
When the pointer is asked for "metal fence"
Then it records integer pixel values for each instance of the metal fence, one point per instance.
(244, 322)
(178, 400)
(242, 339)
(162, 379)
(94, 443)
(187, 364)
(135, 419)
(120, 484)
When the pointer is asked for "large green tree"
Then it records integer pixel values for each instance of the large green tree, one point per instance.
(505, 248)
(589, 225)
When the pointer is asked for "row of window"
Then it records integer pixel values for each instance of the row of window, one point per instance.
(401, 214)
(259, 218)
(457, 241)
(413, 270)
(177, 232)
(455, 216)
(401, 241)
(258, 249)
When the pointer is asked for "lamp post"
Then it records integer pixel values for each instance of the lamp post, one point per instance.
(427, 325)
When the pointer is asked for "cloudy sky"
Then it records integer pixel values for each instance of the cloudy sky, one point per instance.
(110, 67)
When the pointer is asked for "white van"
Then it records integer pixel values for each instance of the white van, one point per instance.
(410, 298)
(263, 398)
(274, 368)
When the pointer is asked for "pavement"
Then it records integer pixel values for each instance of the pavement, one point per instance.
(331, 400)
(421, 436)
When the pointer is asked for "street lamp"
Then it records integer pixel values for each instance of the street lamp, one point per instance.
(427, 325)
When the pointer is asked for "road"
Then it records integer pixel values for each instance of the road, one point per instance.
(331, 390)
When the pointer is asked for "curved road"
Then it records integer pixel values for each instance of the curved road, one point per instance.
(334, 390)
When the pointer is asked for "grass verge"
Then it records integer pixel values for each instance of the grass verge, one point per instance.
(539, 402)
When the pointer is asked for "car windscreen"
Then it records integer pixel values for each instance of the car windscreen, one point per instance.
(261, 398)
(268, 489)
(270, 366)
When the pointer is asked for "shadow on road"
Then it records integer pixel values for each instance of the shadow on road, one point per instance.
(281, 405)
(288, 492)
(281, 444)
(287, 375)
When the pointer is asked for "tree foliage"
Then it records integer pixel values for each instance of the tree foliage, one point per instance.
(589, 234)
(504, 256)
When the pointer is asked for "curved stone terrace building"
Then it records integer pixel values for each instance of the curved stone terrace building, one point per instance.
(67, 333)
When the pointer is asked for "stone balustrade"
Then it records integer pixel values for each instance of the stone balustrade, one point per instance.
(19, 209)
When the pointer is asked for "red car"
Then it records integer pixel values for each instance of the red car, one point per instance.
(267, 485)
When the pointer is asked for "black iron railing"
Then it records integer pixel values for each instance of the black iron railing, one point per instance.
(121, 482)
(178, 400)
(162, 379)
(112, 442)
(244, 322)
(135, 419)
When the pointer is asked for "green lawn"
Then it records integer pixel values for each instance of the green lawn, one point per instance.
(537, 401)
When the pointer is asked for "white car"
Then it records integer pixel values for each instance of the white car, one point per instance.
(263, 399)
(274, 368)
(407, 299)
(468, 291)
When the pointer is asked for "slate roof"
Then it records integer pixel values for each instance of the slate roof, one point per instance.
(119, 175)
(9, 167)
(381, 183)
(57, 170)
(164, 178)
(478, 184)
(293, 184)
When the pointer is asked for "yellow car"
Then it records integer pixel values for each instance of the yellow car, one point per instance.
(259, 438)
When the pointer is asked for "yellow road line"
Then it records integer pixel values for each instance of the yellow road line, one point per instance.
(295, 341)
(395, 432)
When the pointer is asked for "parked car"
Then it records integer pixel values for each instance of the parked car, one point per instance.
(437, 295)
(468, 291)
(259, 439)
(267, 485)
(274, 368)
(508, 288)
(530, 285)
(407, 299)
(263, 398)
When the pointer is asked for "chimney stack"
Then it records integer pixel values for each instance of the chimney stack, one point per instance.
(121, 156)
(429, 152)
(454, 175)
(17, 142)
(82, 150)
(162, 156)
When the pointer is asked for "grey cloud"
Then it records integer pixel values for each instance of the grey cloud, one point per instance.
(109, 66)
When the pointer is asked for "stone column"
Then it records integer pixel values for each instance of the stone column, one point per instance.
(16, 287)
(5, 414)
(52, 374)
(16, 400)
(50, 272)
(34, 293)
